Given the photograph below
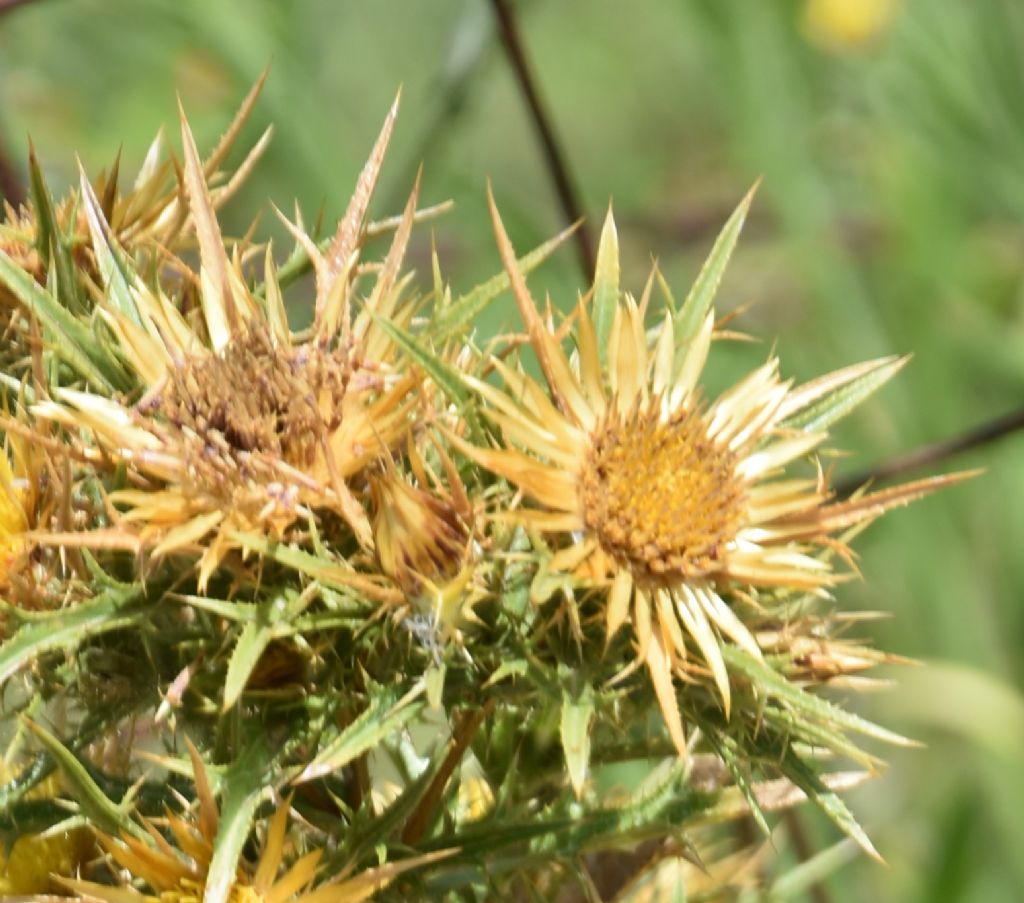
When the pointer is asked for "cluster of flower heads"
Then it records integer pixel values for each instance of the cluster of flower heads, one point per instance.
(174, 419)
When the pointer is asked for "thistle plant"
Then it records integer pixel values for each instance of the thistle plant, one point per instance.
(382, 608)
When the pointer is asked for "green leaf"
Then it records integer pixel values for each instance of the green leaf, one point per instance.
(447, 377)
(326, 571)
(465, 309)
(435, 685)
(368, 832)
(272, 619)
(68, 628)
(828, 801)
(702, 295)
(806, 704)
(519, 667)
(384, 715)
(725, 747)
(821, 413)
(574, 727)
(252, 643)
(242, 785)
(49, 241)
(71, 340)
(606, 284)
(95, 804)
(110, 258)
(797, 881)
(244, 612)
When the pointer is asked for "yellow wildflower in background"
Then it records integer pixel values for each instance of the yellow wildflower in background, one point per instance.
(671, 502)
(847, 24)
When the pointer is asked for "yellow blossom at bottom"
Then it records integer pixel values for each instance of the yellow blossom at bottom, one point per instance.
(34, 859)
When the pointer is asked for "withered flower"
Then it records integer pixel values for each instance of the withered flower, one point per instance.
(247, 426)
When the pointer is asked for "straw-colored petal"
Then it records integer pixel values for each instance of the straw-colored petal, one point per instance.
(660, 669)
(693, 362)
(778, 454)
(692, 615)
(220, 307)
(619, 597)
(187, 533)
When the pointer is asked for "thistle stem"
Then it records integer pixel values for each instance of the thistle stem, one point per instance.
(12, 189)
(7, 6)
(464, 734)
(934, 453)
(804, 851)
(554, 157)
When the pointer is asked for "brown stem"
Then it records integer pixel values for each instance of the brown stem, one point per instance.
(12, 189)
(555, 159)
(464, 734)
(7, 6)
(936, 452)
(804, 851)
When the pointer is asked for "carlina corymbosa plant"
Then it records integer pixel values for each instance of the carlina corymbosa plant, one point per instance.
(380, 607)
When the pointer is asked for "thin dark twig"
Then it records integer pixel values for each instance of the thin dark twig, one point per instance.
(554, 157)
(804, 851)
(12, 189)
(929, 455)
(7, 6)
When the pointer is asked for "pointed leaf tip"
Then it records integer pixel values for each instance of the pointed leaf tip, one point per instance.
(576, 719)
(702, 295)
(218, 299)
(331, 309)
(606, 284)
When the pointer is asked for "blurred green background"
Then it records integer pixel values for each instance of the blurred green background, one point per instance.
(890, 136)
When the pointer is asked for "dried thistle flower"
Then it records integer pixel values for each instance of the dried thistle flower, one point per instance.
(671, 503)
(245, 426)
(427, 538)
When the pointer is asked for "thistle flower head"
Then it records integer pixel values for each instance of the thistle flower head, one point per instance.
(674, 505)
(245, 425)
(427, 539)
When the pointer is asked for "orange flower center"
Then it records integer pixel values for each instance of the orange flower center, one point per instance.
(662, 498)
